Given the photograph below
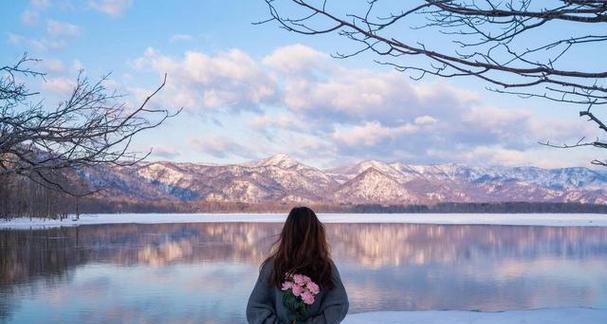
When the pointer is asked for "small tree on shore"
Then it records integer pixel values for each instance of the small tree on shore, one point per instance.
(91, 127)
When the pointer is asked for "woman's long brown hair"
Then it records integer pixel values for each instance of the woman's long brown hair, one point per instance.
(302, 248)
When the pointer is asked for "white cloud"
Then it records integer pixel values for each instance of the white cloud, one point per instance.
(40, 4)
(319, 87)
(295, 58)
(54, 65)
(77, 66)
(165, 152)
(112, 85)
(425, 120)
(56, 36)
(283, 121)
(544, 157)
(181, 38)
(111, 7)
(221, 147)
(312, 103)
(355, 95)
(229, 79)
(519, 127)
(371, 133)
(562, 130)
(491, 117)
(29, 17)
(494, 155)
(56, 28)
(13, 38)
(59, 85)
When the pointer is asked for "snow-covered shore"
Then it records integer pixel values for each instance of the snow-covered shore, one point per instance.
(543, 316)
(488, 219)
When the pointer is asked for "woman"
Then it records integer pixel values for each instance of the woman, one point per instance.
(301, 249)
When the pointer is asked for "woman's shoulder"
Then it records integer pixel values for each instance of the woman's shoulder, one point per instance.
(266, 267)
(335, 276)
(333, 265)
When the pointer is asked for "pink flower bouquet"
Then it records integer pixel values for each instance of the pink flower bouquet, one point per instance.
(300, 292)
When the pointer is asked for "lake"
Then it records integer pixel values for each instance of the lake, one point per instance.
(204, 272)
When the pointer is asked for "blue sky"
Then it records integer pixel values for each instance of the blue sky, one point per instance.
(252, 91)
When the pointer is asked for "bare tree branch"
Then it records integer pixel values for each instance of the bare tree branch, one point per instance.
(91, 127)
(486, 40)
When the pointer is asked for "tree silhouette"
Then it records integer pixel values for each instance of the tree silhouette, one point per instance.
(487, 40)
(91, 127)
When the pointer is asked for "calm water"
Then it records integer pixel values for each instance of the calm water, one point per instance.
(204, 272)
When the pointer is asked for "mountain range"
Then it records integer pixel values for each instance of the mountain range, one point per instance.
(281, 179)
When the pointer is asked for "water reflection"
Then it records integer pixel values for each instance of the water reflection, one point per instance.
(204, 272)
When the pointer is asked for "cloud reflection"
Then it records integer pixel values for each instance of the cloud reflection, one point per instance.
(190, 268)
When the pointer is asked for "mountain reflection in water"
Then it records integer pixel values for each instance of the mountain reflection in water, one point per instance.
(203, 272)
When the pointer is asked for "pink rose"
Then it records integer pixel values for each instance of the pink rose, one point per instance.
(313, 288)
(297, 289)
(300, 279)
(286, 285)
(308, 298)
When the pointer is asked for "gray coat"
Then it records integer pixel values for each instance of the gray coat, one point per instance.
(265, 304)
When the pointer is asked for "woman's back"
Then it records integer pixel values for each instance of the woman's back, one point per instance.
(266, 302)
(301, 249)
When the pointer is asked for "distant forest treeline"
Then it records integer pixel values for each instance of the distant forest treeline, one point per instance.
(22, 197)
(95, 206)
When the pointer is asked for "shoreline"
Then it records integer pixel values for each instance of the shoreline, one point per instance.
(544, 316)
(559, 220)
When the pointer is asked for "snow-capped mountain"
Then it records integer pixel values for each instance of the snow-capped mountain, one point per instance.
(281, 178)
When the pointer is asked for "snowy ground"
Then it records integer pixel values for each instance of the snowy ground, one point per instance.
(543, 316)
(492, 219)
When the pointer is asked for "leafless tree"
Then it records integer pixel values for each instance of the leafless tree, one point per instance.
(92, 127)
(487, 40)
